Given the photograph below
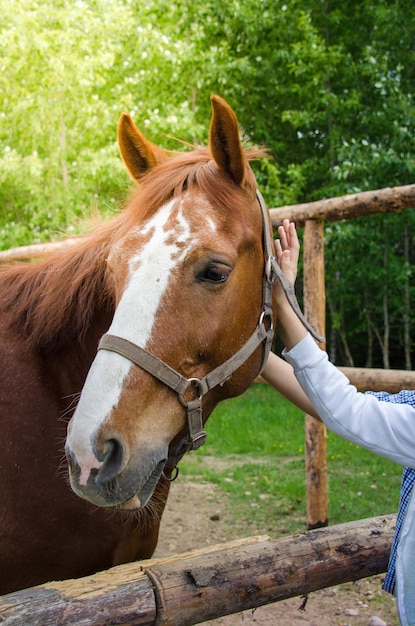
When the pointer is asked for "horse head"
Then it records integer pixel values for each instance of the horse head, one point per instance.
(187, 266)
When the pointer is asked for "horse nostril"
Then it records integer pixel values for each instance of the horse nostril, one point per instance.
(113, 460)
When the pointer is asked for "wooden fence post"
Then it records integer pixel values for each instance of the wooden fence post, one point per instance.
(315, 431)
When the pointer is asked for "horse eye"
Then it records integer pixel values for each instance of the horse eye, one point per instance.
(215, 274)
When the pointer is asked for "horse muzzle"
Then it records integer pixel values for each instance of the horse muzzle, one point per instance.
(115, 482)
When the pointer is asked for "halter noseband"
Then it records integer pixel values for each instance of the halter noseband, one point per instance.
(263, 333)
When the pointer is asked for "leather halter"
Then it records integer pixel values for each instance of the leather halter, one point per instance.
(198, 387)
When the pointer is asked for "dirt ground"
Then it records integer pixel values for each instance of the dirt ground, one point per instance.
(197, 515)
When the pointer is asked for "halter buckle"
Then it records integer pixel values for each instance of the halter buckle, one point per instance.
(196, 434)
(198, 440)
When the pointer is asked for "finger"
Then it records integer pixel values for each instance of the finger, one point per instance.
(293, 237)
(293, 233)
(282, 232)
(278, 249)
(285, 261)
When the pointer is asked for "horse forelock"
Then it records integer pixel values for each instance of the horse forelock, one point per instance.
(184, 172)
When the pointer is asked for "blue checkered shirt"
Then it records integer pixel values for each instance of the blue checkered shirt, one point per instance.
(408, 480)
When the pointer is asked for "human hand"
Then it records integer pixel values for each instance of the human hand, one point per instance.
(291, 321)
(287, 249)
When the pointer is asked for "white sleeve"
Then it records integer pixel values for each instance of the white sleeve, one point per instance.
(382, 427)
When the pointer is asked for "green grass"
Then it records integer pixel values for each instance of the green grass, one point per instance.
(255, 454)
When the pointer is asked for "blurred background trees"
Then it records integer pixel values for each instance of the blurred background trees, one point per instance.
(327, 86)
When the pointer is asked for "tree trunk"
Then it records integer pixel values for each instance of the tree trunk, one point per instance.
(369, 353)
(338, 328)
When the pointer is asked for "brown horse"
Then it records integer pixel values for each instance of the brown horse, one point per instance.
(176, 280)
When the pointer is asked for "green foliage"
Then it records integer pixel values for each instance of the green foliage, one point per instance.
(262, 427)
(327, 88)
(58, 134)
(365, 261)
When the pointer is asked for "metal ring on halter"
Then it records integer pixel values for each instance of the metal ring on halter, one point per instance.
(196, 384)
(174, 474)
(269, 273)
(263, 315)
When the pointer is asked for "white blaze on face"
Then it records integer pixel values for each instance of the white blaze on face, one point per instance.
(148, 277)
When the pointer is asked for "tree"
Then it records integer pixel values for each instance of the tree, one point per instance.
(68, 71)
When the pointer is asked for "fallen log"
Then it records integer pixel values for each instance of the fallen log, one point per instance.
(388, 200)
(206, 584)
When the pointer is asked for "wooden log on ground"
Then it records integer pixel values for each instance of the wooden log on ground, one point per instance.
(206, 584)
(388, 200)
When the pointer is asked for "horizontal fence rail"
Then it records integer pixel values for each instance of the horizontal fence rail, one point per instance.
(387, 200)
(206, 584)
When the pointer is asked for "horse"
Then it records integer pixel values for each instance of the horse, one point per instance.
(121, 345)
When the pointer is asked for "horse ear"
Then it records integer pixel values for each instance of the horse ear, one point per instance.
(224, 141)
(138, 154)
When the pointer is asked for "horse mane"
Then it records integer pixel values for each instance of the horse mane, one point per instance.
(53, 302)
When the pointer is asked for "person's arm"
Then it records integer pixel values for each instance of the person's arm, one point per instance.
(382, 427)
(280, 375)
(277, 372)
(385, 428)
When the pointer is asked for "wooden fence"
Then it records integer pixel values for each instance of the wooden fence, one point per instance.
(209, 583)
